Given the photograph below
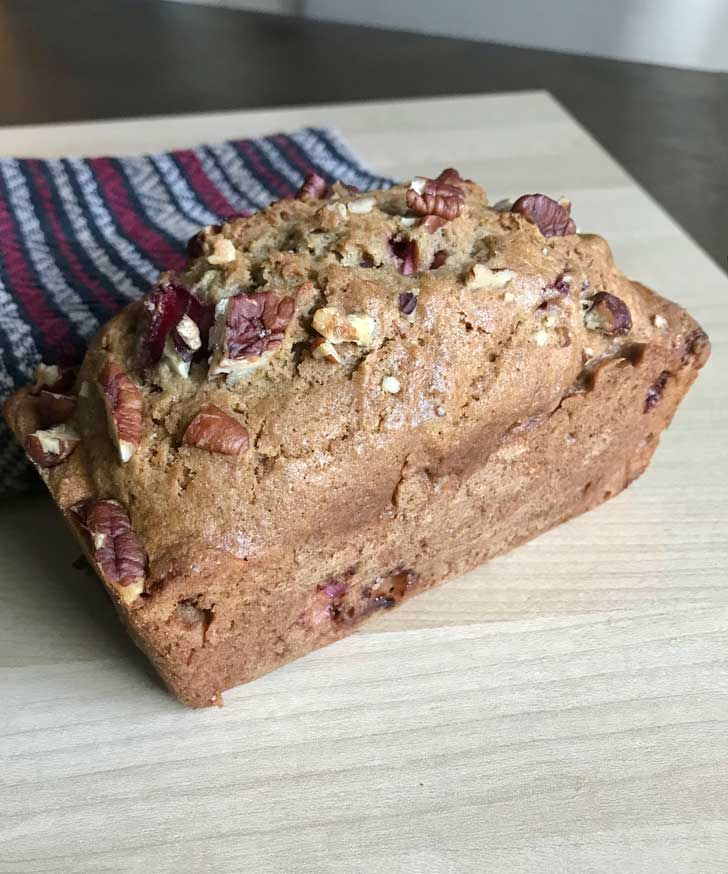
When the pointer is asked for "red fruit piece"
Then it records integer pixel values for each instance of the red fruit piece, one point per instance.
(165, 306)
(404, 251)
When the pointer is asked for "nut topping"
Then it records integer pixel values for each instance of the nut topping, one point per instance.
(321, 348)
(362, 206)
(52, 378)
(248, 326)
(223, 252)
(608, 314)
(436, 197)
(336, 327)
(181, 345)
(216, 431)
(201, 243)
(482, 276)
(117, 550)
(123, 401)
(404, 252)
(54, 409)
(50, 447)
(314, 188)
(549, 216)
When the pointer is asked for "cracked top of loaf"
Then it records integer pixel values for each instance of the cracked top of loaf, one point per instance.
(315, 355)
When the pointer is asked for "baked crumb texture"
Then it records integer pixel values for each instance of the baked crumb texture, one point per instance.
(345, 399)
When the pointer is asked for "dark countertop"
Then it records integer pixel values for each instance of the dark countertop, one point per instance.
(90, 59)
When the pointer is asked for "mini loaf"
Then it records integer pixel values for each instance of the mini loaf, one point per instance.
(345, 399)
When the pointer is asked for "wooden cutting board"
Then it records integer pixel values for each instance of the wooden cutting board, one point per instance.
(564, 709)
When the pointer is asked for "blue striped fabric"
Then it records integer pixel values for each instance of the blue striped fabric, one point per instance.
(80, 238)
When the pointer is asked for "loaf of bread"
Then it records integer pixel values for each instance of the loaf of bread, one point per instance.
(345, 399)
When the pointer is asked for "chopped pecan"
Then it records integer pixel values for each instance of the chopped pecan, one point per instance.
(608, 314)
(656, 390)
(216, 431)
(336, 327)
(223, 252)
(116, 549)
(182, 344)
(482, 276)
(550, 217)
(54, 409)
(404, 252)
(47, 448)
(201, 243)
(389, 589)
(314, 187)
(323, 348)
(52, 378)
(436, 197)
(165, 306)
(124, 405)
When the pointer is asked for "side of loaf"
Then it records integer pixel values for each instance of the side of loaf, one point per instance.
(345, 399)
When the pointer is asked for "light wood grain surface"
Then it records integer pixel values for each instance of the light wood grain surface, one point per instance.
(564, 709)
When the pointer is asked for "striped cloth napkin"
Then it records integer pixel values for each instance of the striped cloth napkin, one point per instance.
(80, 238)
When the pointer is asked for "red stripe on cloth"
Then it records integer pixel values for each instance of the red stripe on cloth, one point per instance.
(132, 224)
(86, 281)
(213, 199)
(52, 326)
(271, 180)
(285, 144)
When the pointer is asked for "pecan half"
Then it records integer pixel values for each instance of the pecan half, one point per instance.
(314, 187)
(201, 243)
(436, 197)
(116, 549)
(47, 448)
(404, 252)
(608, 314)
(656, 390)
(123, 401)
(216, 431)
(549, 216)
(246, 327)
(54, 409)
(450, 176)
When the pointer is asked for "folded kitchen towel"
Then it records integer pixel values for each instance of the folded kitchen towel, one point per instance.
(80, 238)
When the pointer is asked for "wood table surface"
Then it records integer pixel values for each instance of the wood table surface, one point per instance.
(563, 709)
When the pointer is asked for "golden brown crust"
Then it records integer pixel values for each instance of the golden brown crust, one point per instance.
(494, 392)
